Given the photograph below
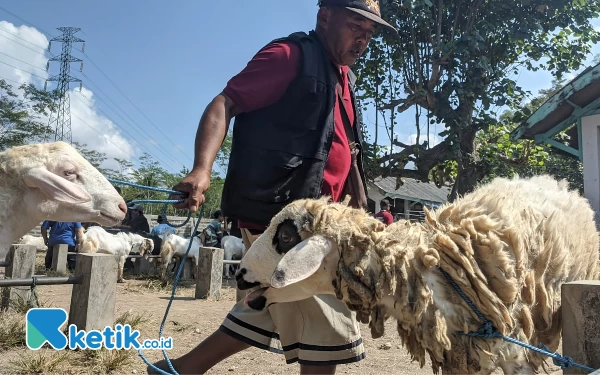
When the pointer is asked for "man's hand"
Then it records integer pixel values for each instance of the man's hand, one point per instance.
(196, 183)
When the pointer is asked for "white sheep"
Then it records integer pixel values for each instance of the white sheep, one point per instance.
(38, 242)
(98, 240)
(233, 249)
(176, 246)
(509, 246)
(52, 181)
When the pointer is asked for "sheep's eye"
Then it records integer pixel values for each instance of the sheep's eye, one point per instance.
(69, 173)
(287, 237)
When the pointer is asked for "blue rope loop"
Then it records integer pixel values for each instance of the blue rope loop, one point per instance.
(165, 201)
(181, 265)
(488, 331)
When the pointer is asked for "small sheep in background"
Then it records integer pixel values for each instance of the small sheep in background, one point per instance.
(38, 242)
(509, 245)
(176, 246)
(233, 249)
(98, 240)
(52, 181)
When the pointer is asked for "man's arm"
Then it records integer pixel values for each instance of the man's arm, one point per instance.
(209, 137)
(79, 235)
(261, 83)
(45, 236)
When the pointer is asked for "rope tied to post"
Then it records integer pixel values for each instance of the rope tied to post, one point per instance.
(33, 301)
(488, 331)
(181, 264)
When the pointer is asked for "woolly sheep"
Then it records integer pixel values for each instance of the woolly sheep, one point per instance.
(98, 240)
(52, 181)
(509, 245)
(38, 242)
(233, 249)
(174, 245)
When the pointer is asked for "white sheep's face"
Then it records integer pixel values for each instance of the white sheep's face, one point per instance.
(288, 262)
(62, 186)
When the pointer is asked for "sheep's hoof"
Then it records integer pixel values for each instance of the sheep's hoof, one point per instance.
(121, 280)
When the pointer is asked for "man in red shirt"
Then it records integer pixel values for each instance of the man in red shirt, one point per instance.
(385, 215)
(294, 107)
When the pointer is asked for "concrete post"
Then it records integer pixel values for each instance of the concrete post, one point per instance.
(59, 258)
(22, 264)
(210, 273)
(93, 301)
(141, 266)
(590, 150)
(188, 269)
(581, 323)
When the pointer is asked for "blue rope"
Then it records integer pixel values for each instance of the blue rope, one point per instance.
(165, 201)
(488, 331)
(181, 265)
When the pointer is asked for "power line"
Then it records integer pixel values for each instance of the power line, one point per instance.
(29, 23)
(63, 117)
(142, 130)
(23, 70)
(133, 139)
(24, 62)
(23, 39)
(136, 107)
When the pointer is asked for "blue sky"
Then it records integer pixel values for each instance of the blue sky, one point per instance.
(168, 58)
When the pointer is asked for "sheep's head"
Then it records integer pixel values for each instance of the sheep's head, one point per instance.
(146, 247)
(306, 249)
(59, 184)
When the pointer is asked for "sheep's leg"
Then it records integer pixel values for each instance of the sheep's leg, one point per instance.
(226, 266)
(460, 360)
(121, 264)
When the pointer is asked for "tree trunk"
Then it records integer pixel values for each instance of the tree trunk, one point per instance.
(469, 171)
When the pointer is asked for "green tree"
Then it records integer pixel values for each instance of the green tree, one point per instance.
(95, 158)
(505, 158)
(21, 114)
(456, 61)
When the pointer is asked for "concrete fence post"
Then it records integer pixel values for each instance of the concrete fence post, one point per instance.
(188, 268)
(141, 266)
(22, 265)
(210, 273)
(581, 323)
(93, 301)
(59, 258)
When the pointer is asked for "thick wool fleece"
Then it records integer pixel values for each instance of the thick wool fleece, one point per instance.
(509, 245)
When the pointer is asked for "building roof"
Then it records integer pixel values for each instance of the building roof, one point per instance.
(578, 98)
(414, 190)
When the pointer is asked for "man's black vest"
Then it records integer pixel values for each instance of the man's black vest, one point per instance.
(279, 152)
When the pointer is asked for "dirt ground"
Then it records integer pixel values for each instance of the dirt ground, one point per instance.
(190, 321)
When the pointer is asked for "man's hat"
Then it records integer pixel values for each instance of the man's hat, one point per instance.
(138, 207)
(366, 8)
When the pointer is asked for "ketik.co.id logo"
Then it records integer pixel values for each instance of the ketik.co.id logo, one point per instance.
(43, 325)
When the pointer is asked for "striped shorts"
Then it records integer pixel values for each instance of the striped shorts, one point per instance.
(320, 330)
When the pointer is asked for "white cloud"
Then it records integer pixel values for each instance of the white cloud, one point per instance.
(87, 125)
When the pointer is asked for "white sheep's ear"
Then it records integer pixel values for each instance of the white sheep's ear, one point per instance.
(55, 187)
(302, 261)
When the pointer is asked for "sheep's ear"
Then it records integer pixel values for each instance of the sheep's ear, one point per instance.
(301, 261)
(55, 187)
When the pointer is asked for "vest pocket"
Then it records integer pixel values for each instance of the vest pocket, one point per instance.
(267, 175)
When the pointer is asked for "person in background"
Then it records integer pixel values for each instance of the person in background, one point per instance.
(138, 222)
(68, 233)
(213, 233)
(162, 227)
(385, 214)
